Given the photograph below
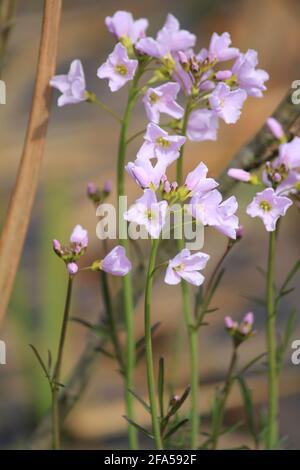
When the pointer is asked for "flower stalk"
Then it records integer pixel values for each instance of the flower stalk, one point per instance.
(55, 382)
(148, 347)
(273, 393)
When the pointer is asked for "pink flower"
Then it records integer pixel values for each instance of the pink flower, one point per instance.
(146, 174)
(148, 212)
(202, 125)
(275, 127)
(268, 206)
(159, 144)
(210, 210)
(289, 154)
(197, 182)
(249, 78)
(219, 49)
(169, 39)
(239, 174)
(186, 266)
(122, 25)
(118, 68)
(72, 86)
(162, 100)
(79, 237)
(116, 262)
(227, 104)
(240, 331)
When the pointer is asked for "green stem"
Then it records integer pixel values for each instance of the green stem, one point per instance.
(193, 353)
(225, 393)
(273, 403)
(127, 280)
(148, 347)
(111, 320)
(188, 317)
(57, 371)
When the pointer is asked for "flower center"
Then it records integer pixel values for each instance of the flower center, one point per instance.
(265, 206)
(121, 69)
(179, 267)
(150, 215)
(163, 142)
(154, 98)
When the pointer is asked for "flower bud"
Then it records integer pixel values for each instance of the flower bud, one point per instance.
(72, 268)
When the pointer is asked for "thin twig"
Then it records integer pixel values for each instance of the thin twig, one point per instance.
(20, 206)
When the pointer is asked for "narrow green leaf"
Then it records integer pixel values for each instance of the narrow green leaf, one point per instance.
(99, 329)
(161, 386)
(140, 400)
(249, 408)
(251, 363)
(175, 428)
(138, 427)
(41, 362)
(290, 275)
(256, 300)
(105, 352)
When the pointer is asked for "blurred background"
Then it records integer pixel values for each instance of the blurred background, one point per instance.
(81, 147)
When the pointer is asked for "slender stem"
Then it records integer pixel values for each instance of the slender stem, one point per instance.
(225, 393)
(127, 280)
(91, 97)
(148, 347)
(57, 370)
(273, 403)
(179, 165)
(193, 353)
(111, 320)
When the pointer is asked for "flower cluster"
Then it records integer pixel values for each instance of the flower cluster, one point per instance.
(280, 178)
(216, 80)
(115, 262)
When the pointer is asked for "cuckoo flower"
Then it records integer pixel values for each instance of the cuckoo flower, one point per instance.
(227, 104)
(289, 154)
(145, 174)
(79, 237)
(116, 262)
(202, 125)
(186, 266)
(248, 77)
(197, 182)
(162, 100)
(148, 212)
(123, 26)
(268, 206)
(159, 144)
(210, 210)
(169, 39)
(240, 331)
(219, 49)
(72, 85)
(118, 68)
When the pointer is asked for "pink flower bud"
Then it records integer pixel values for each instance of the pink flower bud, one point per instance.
(57, 247)
(240, 231)
(72, 268)
(107, 186)
(229, 323)
(276, 177)
(239, 174)
(275, 127)
(249, 318)
(91, 189)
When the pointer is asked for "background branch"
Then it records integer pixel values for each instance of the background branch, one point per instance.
(20, 206)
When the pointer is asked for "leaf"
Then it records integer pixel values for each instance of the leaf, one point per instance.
(211, 310)
(140, 400)
(41, 362)
(216, 283)
(256, 300)
(281, 350)
(251, 363)
(138, 427)
(161, 382)
(99, 329)
(175, 428)
(290, 275)
(249, 408)
(49, 361)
